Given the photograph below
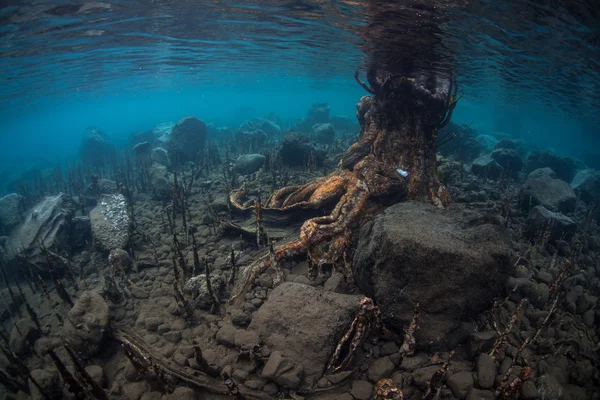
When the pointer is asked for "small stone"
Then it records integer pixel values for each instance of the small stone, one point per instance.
(134, 390)
(246, 339)
(173, 336)
(131, 373)
(182, 393)
(256, 302)
(96, 373)
(460, 383)
(152, 323)
(361, 390)
(486, 371)
(380, 369)
(588, 318)
(415, 362)
(240, 318)
(338, 377)
(240, 374)
(389, 348)
(480, 342)
(255, 384)
(477, 394)
(226, 335)
(271, 389)
(180, 359)
(528, 390)
(164, 328)
(139, 293)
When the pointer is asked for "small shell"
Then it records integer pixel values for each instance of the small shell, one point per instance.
(402, 172)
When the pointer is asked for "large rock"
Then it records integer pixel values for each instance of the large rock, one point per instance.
(110, 222)
(260, 124)
(87, 323)
(96, 149)
(161, 182)
(11, 208)
(160, 155)
(249, 163)
(50, 382)
(323, 133)
(304, 324)
(249, 141)
(186, 140)
(554, 194)
(587, 183)
(540, 218)
(459, 142)
(143, 152)
(509, 159)
(296, 150)
(318, 113)
(486, 167)
(563, 167)
(199, 289)
(413, 252)
(49, 222)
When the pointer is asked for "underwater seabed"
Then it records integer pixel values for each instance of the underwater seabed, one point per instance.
(130, 278)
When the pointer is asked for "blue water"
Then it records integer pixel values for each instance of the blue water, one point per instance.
(527, 68)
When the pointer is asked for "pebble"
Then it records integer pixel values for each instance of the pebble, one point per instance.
(361, 390)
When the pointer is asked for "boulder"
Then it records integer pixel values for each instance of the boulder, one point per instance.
(249, 141)
(96, 149)
(296, 150)
(283, 371)
(11, 208)
(323, 133)
(554, 194)
(318, 113)
(414, 252)
(539, 217)
(463, 146)
(536, 173)
(199, 289)
(508, 159)
(270, 128)
(49, 222)
(486, 167)
(142, 151)
(22, 340)
(161, 182)
(249, 163)
(110, 222)
(308, 335)
(160, 156)
(50, 382)
(587, 183)
(87, 323)
(506, 144)
(186, 140)
(140, 137)
(563, 167)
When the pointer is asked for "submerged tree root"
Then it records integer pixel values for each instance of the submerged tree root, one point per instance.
(393, 160)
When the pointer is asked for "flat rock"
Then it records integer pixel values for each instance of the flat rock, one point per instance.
(554, 194)
(305, 336)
